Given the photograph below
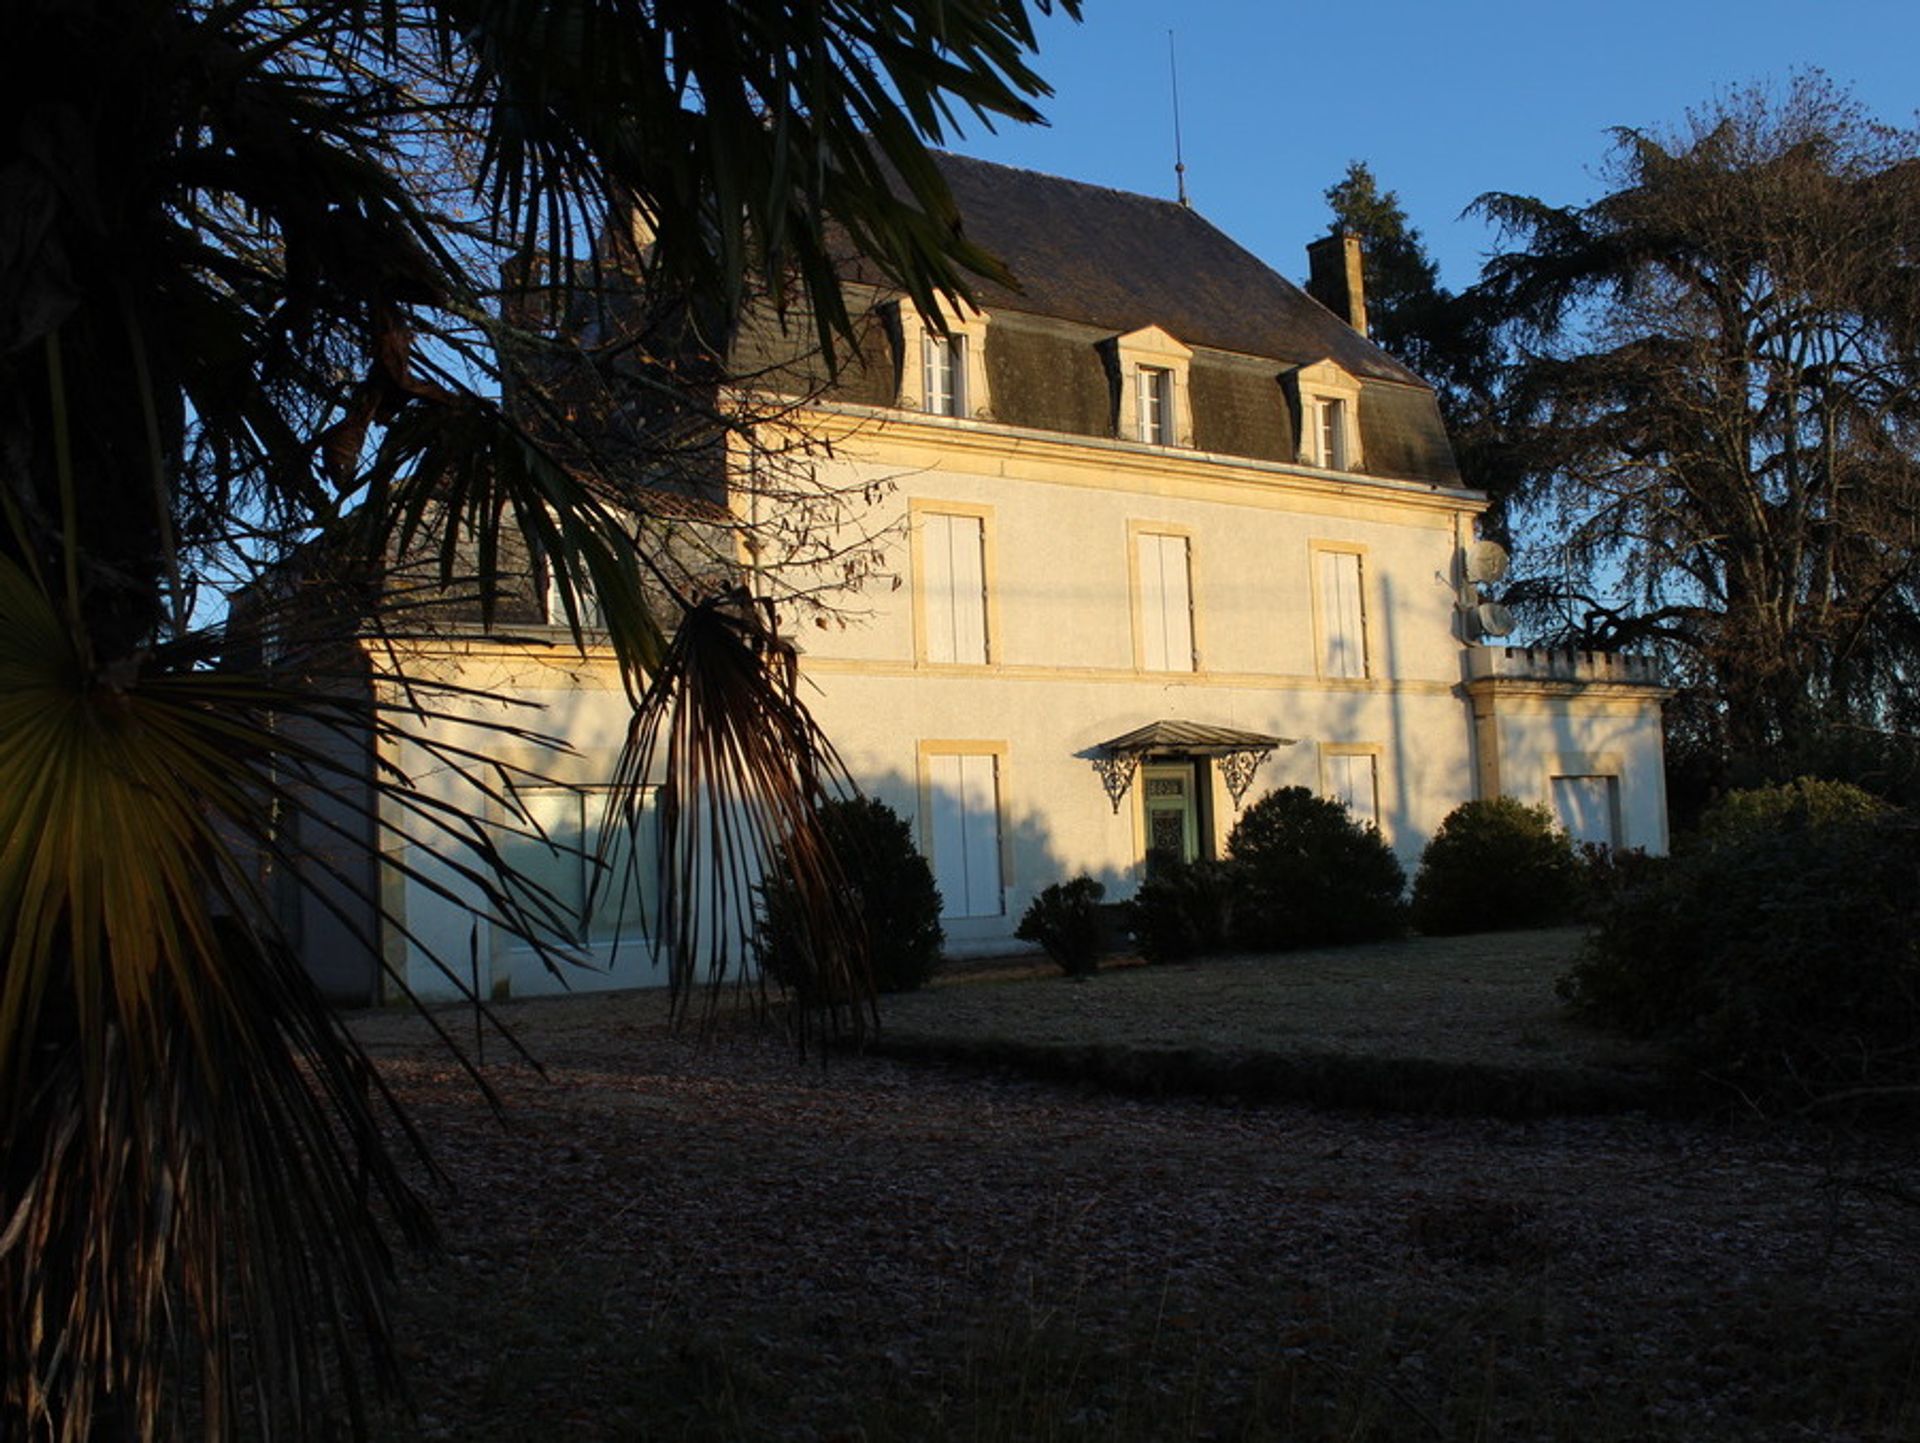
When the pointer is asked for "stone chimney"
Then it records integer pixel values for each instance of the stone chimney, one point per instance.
(1334, 277)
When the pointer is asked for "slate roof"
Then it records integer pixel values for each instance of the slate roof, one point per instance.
(1119, 261)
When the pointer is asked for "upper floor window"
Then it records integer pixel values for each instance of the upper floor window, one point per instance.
(952, 594)
(1329, 412)
(943, 362)
(943, 374)
(1165, 603)
(553, 601)
(1340, 601)
(1149, 368)
(1153, 404)
(1327, 432)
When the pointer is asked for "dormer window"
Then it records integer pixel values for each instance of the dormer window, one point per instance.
(1149, 373)
(943, 362)
(1153, 404)
(1328, 398)
(1327, 432)
(943, 375)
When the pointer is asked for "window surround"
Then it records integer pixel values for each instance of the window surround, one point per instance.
(1136, 531)
(1608, 765)
(1315, 386)
(1374, 750)
(969, 326)
(918, 508)
(1153, 349)
(1323, 621)
(925, 752)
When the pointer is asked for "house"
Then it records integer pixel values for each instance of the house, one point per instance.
(1149, 536)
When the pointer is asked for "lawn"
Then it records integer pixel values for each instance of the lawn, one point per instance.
(1457, 1024)
(666, 1239)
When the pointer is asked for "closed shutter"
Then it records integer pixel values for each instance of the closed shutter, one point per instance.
(966, 834)
(1166, 604)
(1342, 615)
(1352, 779)
(953, 588)
(1586, 807)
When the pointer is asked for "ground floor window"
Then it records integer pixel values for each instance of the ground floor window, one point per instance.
(1354, 778)
(1589, 808)
(964, 816)
(581, 872)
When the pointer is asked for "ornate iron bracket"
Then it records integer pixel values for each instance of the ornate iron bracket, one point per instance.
(1237, 768)
(1116, 775)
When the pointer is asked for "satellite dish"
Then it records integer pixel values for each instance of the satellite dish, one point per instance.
(1486, 561)
(1490, 618)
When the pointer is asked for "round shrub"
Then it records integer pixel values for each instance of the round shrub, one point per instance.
(1183, 909)
(1782, 962)
(892, 887)
(1065, 920)
(1804, 802)
(1306, 874)
(1495, 864)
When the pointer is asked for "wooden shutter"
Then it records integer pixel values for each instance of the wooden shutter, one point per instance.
(1166, 604)
(966, 834)
(1342, 615)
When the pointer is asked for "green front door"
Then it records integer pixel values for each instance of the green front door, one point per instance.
(1173, 822)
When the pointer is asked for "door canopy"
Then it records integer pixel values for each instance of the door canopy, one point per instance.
(1239, 753)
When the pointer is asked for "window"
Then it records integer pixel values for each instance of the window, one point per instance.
(1343, 614)
(964, 812)
(553, 605)
(1152, 395)
(1165, 602)
(573, 887)
(1153, 404)
(1589, 808)
(944, 374)
(953, 587)
(1327, 433)
(1353, 777)
(1328, 397)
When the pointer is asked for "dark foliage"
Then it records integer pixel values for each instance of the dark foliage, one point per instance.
(1495, 864)
(1781, 958)
(1307, 874)
(1065, 919)
(1183, 909)
(894, 894)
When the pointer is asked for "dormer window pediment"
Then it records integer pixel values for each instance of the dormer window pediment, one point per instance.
(943, 375)
(1154, 405)
(1326, 400)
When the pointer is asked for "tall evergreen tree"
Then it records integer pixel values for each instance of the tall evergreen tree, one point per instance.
(1718, 408)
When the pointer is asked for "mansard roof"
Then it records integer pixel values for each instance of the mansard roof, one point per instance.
(1118, 261)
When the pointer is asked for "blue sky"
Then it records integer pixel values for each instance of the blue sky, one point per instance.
(1445, 101)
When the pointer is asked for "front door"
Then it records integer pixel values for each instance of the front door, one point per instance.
(1173, 819)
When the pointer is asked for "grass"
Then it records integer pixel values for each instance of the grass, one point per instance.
(672, 1241)
(1456, 1024)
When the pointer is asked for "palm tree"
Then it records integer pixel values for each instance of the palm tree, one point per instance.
(244, 304)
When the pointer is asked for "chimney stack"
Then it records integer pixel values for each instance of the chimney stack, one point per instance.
(1334, 277)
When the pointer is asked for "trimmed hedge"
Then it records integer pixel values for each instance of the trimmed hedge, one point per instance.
(1065, 920)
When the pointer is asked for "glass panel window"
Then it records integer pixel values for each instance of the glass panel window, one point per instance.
(553, 604)
(966, 834)
(1154, 400)
(575, 869)
(1342, 615)
(953, 588)
(1166, 603)
(944, 374)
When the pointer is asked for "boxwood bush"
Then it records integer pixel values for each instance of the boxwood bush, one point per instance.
(1495, 864)
(1065, 920)
(1183, 909)
(1306, 874)
(893, 887)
